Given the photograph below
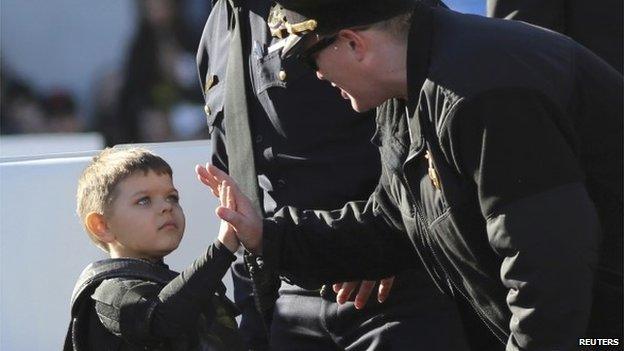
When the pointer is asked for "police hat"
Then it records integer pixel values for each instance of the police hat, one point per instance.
(293, 20)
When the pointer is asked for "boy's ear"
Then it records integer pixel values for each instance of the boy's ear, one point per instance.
(97, 225)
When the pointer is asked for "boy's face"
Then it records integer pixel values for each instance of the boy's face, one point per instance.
(145, 217)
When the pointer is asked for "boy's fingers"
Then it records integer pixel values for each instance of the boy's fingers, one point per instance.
(213, 190)
(207, 179)
(204, 180)
(337, 287)
(217, 173)
(203, 172)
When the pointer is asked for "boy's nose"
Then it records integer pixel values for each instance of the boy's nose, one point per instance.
(166, 206)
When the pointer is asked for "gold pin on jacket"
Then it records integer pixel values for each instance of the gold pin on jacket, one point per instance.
(433, 173)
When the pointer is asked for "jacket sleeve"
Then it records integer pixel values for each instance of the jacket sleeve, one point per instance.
(145, 313)
(363, 240)
(538, 215)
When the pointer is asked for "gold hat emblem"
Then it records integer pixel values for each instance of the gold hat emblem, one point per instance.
(277, 22)
(280, 27)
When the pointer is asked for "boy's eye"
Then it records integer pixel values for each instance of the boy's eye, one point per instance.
(173, 199)
(143, 201)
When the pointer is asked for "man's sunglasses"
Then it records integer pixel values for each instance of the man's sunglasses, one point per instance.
(308, 55)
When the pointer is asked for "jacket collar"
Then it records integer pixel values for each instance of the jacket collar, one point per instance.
(418, 61)
(418, 51)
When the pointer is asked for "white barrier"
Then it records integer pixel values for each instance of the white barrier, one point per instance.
(43, 247)
(21, 145)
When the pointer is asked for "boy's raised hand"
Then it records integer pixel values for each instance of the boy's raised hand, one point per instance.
(243, 217)
(227, 234)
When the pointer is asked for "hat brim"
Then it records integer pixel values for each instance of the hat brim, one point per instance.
(292, 45)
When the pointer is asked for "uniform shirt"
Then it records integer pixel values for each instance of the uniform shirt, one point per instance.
(311, 149)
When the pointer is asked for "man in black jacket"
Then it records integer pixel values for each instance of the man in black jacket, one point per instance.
(512, 134)
(309, 150)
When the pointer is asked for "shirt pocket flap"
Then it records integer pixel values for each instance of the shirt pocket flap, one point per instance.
(215, 99)
(271, 72)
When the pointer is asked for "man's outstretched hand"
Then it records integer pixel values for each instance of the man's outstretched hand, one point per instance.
(244, 219)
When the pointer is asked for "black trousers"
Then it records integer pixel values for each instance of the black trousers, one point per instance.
(416, 316)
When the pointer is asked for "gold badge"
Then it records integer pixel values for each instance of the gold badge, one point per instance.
(433, 174)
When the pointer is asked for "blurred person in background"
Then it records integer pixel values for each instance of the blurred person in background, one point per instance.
(21, 110)
(158, 99)
(61, 113)
(107, 85)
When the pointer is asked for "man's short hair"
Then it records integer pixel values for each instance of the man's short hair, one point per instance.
(397, 26)
(98, 182)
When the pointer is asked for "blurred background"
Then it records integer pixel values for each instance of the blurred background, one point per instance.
(122, 69)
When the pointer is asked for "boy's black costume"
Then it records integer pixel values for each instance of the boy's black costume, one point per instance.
(133, 304)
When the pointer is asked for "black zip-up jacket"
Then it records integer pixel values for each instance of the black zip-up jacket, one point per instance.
(518, 123)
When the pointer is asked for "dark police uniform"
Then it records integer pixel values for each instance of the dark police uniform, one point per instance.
(512, 132)
(311, 150)
(597, 25)
(133, 304)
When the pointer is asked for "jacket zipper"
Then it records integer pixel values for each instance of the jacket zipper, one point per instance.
(422, 223)
(477, 309)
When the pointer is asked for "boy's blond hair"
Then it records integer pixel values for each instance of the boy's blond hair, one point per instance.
(98, 182)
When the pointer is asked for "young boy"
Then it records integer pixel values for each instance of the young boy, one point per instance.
(132, 301)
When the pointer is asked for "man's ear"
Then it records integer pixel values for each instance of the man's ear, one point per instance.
(357, 42)
(97, 225)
